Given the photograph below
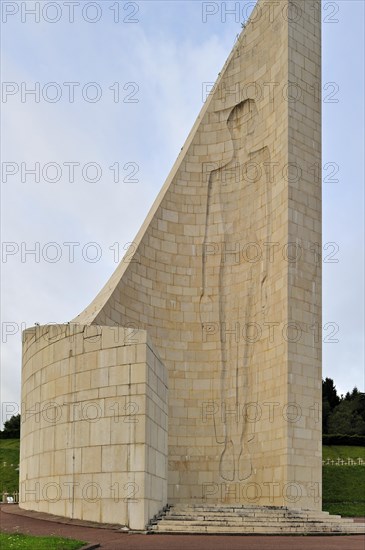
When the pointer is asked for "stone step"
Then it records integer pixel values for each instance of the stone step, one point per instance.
(235, 507)
(241, 519)
(247, 529)
(243, 514)
(253, 513)
(278, 525)
(261, 527)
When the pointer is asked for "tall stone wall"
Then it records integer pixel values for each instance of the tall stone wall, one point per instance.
(304, 266)
(226, 280)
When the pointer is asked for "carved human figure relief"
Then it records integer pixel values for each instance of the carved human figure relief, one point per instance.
(234, 278)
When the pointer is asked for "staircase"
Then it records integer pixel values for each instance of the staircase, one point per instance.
(245, 520)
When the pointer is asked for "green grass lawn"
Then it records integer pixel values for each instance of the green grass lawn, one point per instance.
(9, 461)
(343, 486)
(15, 541)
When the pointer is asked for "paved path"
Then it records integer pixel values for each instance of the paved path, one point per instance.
(12, 519)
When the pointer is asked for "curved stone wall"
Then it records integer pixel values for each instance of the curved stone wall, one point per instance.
(94, 424)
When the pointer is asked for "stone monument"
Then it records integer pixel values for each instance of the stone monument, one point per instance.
(195, 374)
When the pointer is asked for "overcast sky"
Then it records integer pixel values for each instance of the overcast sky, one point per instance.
(138, 71)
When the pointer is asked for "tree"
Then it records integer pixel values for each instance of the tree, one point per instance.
(326, 411)
(11, 428)
(346, 420)
(329, 393)
(330, 400)
(342, 415)
(358, 403)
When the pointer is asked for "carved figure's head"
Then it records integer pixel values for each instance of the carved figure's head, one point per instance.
(242, 122)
